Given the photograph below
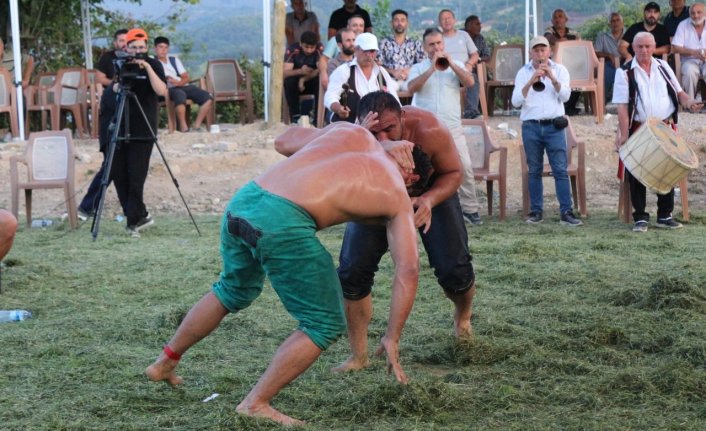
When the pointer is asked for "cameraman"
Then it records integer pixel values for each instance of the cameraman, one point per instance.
(144, 77)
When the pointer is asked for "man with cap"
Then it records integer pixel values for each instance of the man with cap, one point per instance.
(650, 25)
(179, 88)
(351, 81)
(132, 155)
(541, 89)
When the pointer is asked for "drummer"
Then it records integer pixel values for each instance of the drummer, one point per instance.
(657, 93)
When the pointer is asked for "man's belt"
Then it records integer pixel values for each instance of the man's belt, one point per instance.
(548, 121)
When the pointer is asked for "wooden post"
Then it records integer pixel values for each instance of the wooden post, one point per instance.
(276, 75)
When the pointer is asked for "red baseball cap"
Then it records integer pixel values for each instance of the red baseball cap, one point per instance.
(136, 34)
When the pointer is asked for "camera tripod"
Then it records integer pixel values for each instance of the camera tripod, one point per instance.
(123, 113)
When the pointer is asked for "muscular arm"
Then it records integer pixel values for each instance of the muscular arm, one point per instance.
(295, 138)
(402, 238)
(435, 139)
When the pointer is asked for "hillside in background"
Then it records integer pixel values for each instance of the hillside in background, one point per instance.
(233, 28)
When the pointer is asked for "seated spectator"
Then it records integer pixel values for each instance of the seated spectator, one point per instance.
(690, 42)
(398, 52)
(300, 73)
(345, 39)
(473, 27)
(356, 23)
(298, 21)
(8, 227)
(559, 32)
(679, 13)
(179, 87)
(7, 59)
(351, 81)
(606, 46)
(339, 17)
(650, 25)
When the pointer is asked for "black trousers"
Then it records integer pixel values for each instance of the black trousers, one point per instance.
(638, 195)
(129, 172)
(291, 93)
(638, 198)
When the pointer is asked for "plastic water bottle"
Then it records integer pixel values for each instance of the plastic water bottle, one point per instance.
(42, 222)
(14, 315)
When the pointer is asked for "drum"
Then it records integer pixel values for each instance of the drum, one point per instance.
(657, 156)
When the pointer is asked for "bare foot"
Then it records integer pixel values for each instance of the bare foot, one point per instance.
(163, 370)
(352, 364)
(463, 330)
(268, 412)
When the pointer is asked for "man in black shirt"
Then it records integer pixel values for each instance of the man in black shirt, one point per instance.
(339, 17)
(132, 155)
(679, 13)
(104, 75)
(300, 73)
(650, 25)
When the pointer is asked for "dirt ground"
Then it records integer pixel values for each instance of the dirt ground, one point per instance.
(210, 167)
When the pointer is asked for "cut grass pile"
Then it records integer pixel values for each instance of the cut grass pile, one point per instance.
(575, 328)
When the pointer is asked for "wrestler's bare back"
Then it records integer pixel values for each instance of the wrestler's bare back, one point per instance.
(341, 175)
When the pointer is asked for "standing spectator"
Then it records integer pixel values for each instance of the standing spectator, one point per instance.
(606, 46)
(298, 21)
(339, 17)
(179, 87)
(559, 32)
(105, 73)
(351, 81)
(650, 25)
(7, 59)
(473, 28)
(436, 84)
(542, 110)
(657, 94)
(132, 156)
(690, 42)
(345, 39)
(398, 52)
(300, 73)
(356, 23)
(679, 13)
(458, 43)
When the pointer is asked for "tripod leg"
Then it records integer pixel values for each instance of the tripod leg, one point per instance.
(153, 135)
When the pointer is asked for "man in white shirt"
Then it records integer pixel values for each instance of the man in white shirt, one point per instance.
(435, 84)
(690, 42)
(353, 80)
(541, 89)
(179, 87)
(657, 95)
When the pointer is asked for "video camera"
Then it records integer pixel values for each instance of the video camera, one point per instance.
(126, 69)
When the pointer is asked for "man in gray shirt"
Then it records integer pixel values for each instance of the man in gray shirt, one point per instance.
(606, 46)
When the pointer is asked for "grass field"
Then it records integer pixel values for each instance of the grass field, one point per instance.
(587, 328)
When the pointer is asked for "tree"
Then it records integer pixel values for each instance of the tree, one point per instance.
(51, 30)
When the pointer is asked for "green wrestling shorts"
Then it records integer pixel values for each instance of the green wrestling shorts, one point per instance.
(265, 234)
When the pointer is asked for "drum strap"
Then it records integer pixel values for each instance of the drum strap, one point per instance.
(634, 92)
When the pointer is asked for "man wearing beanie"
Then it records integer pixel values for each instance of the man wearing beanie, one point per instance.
(144, 77)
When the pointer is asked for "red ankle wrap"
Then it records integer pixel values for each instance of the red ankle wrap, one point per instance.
(171, 354)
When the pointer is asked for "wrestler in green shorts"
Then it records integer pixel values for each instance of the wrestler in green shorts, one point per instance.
(263, 233)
